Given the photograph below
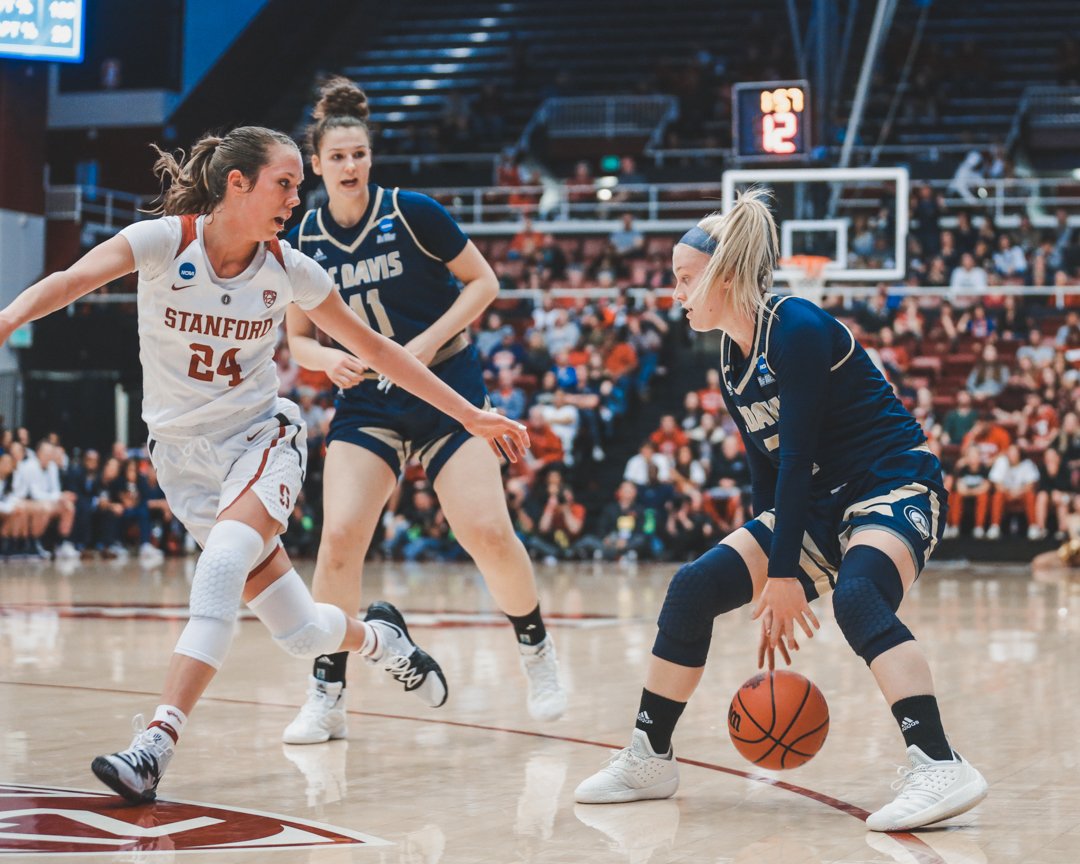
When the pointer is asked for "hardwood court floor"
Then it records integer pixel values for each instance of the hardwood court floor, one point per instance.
(83, 649)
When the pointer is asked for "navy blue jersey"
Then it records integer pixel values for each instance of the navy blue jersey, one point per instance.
(391, 266)
(813, 411)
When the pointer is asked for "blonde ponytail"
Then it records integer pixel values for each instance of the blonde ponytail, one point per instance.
(746, 252)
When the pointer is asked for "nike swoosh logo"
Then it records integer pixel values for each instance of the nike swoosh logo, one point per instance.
(253, 436)
(181, 287)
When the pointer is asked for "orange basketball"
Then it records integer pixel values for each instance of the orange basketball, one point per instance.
(778, 720)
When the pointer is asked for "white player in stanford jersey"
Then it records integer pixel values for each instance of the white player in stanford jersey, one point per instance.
(230, 456)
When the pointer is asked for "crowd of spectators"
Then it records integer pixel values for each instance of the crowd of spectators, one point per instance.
(998, 399)
(994, 379)
(574, 371)
(973, 255)
(72, 507)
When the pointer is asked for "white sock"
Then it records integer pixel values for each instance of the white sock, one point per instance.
(373, 647)
(171, 720)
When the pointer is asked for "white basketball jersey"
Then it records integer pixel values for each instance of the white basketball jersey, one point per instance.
(206, 344)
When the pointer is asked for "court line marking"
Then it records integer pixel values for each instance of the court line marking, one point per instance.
(179, 612)
(920, 850)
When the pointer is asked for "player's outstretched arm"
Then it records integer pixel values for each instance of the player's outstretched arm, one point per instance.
(387, 357)
(111, 260)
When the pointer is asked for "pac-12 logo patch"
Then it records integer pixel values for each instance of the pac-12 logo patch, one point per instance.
(269, 298)
(187, 270)
(918, 520)
(48, 821)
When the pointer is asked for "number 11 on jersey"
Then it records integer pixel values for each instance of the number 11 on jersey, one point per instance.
(360, 303)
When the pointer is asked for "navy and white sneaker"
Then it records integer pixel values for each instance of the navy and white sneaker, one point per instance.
(406, 662)
(135, 773)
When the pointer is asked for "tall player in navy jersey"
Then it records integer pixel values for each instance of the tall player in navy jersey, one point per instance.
(848, 498)
(397, 258)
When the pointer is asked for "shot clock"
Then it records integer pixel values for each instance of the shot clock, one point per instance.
(771, 120)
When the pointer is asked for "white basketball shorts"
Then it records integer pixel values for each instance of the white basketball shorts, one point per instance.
(202, 475)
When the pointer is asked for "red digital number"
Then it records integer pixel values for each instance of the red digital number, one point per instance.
(777, 130)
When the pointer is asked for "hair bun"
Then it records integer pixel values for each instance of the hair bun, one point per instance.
(340, 97)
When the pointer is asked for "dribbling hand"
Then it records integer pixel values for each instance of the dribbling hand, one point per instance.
(782, 603)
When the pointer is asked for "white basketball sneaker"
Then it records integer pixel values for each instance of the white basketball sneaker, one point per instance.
(404, 659)
(322, 717)
(135, 773)
(929, 792)
(547, 699)
(634, 773)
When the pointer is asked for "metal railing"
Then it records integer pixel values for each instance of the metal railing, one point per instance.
(100, 209)
(495, 210)
(1055, 295)
(1006, 199)
(862, 154)
(668, 206)
(602, 200)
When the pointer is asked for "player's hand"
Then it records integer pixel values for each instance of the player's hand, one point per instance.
(420, 348)
(782, 603)
(766, 655)
(507, 437)
(346, 371)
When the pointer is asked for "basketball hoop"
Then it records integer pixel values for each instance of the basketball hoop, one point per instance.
(811, 283)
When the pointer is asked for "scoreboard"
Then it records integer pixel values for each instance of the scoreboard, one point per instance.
(42, 29)
(771, 120)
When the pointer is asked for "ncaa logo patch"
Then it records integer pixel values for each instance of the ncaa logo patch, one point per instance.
(918, 520)
(386, 227)
(52, 821)
(269, 298)
(187, 270)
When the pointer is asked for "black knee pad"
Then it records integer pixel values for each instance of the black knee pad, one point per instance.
(867, 594)
(715, 583)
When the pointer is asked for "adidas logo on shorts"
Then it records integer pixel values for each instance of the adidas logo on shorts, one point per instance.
(643, 717)
(908, 723)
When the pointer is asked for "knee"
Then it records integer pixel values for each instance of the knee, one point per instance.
(717, 582)
(322, 635)
(218, 584)
(338, 548)
(206, 639)
(486, 535)
(867, 595)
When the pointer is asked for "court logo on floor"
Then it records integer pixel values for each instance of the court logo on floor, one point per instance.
(44, 820)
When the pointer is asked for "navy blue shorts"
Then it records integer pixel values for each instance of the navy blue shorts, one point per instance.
(396, 426)
(902, 494)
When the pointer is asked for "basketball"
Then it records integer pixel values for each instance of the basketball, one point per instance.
(778, 720)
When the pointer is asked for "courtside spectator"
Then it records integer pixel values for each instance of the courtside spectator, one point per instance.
(1014, 479)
